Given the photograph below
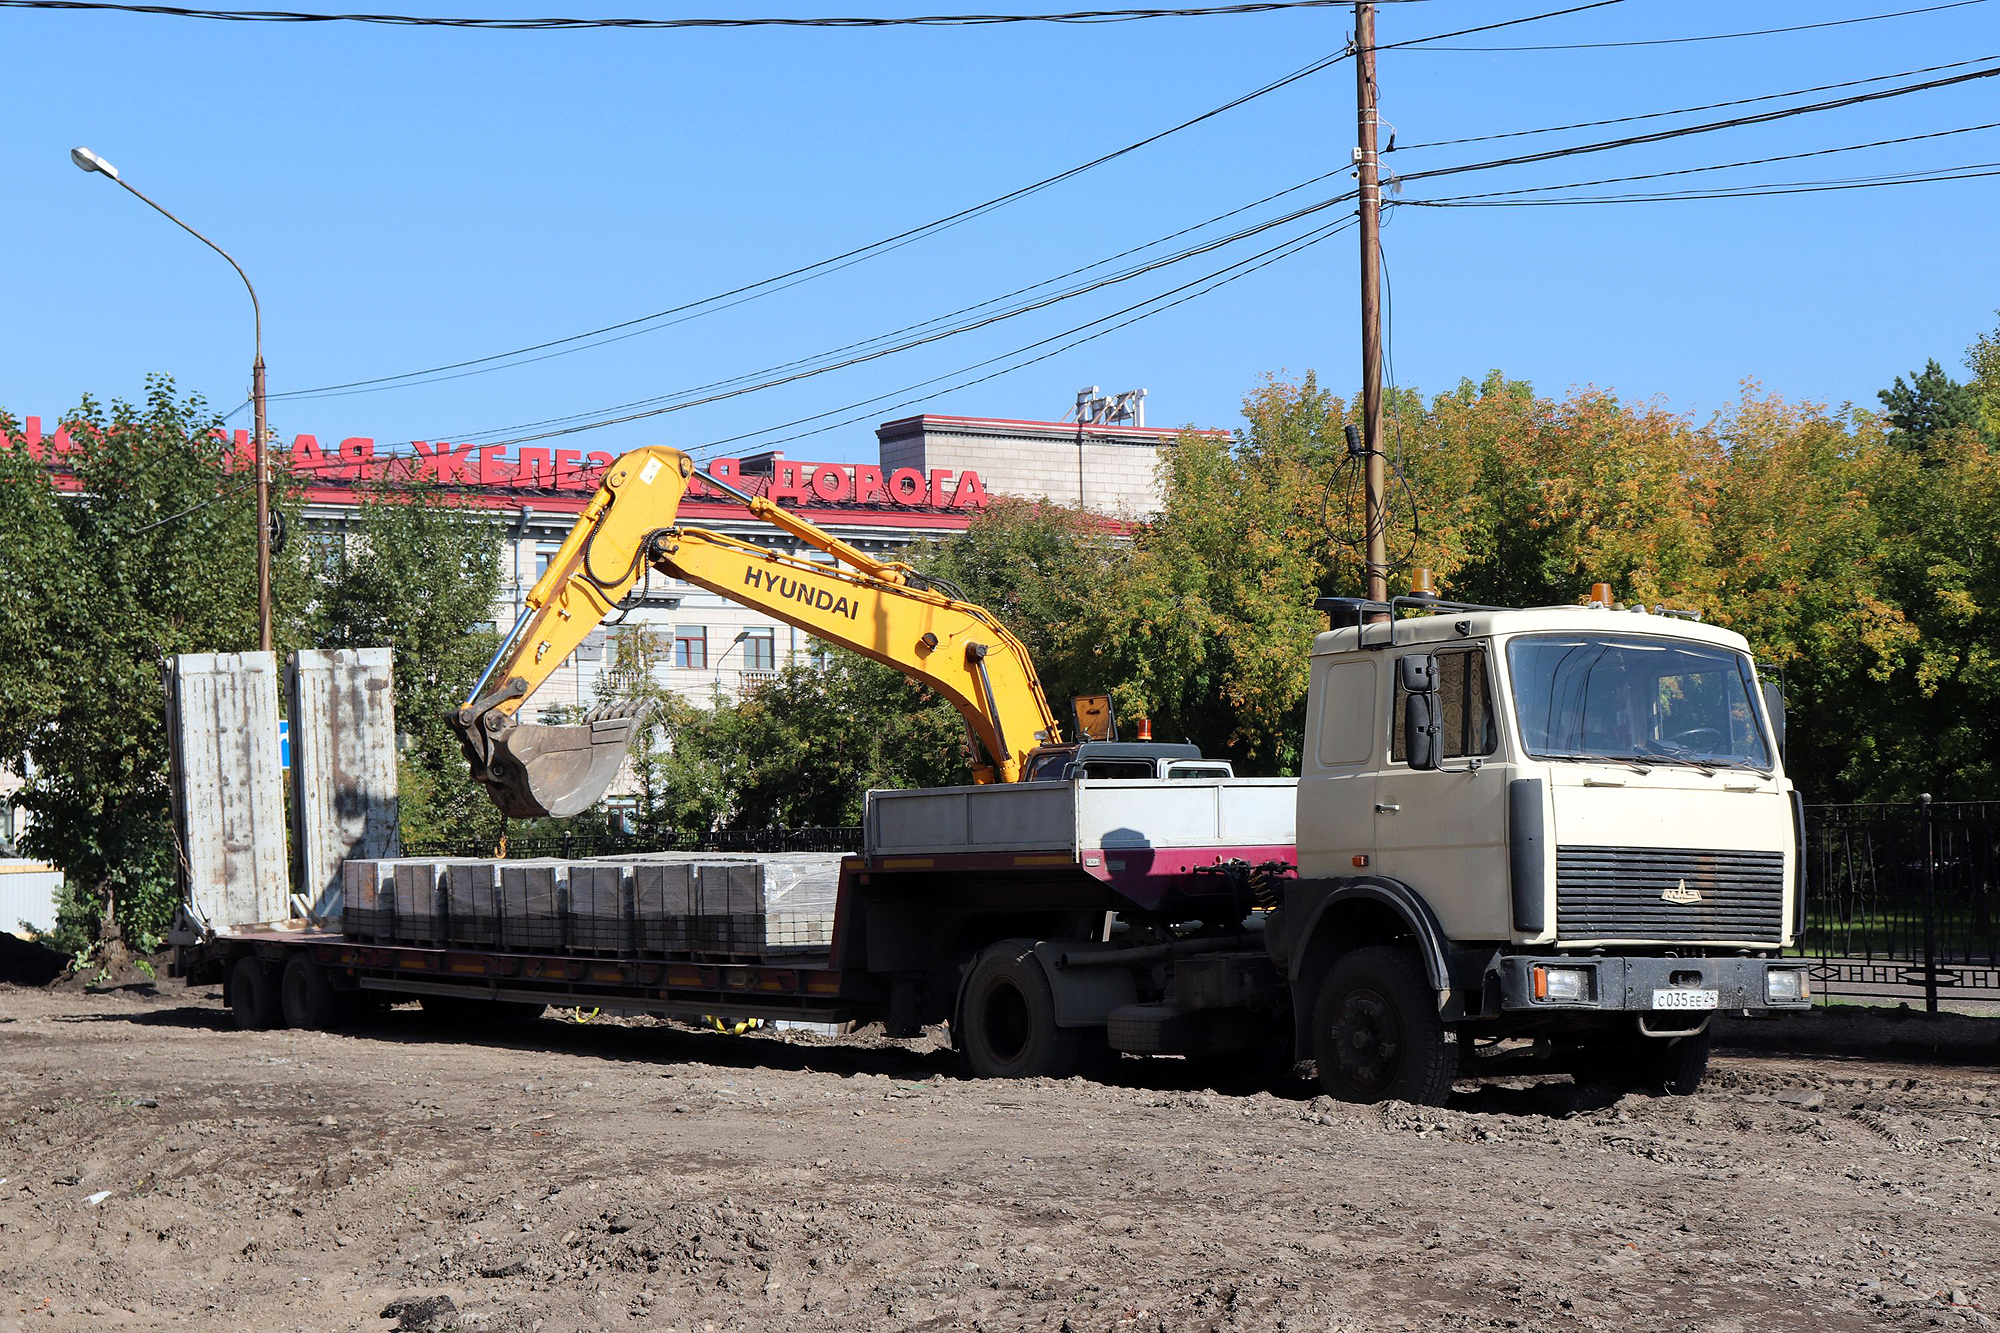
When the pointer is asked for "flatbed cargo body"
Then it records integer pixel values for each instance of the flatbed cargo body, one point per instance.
(1047, 860)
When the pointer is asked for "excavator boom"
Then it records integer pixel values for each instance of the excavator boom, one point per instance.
(882, 610)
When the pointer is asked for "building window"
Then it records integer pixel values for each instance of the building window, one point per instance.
(691, 647)
(327, 553)
(760, 650)
(544, 552)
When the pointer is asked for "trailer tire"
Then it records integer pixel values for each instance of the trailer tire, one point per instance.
(1376, 1032)
(308, 1000)
(1009, 1013)
(253, 995)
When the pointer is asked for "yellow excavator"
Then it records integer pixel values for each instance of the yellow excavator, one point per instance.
(884, 610)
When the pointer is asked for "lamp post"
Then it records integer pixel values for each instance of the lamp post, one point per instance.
(89, 161)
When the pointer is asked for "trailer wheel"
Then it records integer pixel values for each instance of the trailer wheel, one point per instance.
(308, 1000)
(253, 995)
(1009, 1014)
(1377, 1035)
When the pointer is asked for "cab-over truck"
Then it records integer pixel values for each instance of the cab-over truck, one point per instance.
(1562, 831)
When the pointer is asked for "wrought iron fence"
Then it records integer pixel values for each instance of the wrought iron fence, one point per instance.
(1902, 900)
(844, 838)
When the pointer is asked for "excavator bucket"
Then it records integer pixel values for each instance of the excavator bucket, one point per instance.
(533, 770)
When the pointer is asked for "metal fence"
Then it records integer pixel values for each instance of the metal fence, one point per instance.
(842, 838)
(1902, 900)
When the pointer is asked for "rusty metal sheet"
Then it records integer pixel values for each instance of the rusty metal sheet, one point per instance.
(343, 715)
(228, 787)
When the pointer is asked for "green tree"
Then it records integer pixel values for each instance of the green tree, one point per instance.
(1931, 406)
(419, 572)
(1983, 357)
(152, 553)
(1047, 573)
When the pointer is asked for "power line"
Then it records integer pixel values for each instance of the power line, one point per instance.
(1964, 171)
(1287, 249)
(834, 263)
(1548, 155)
(1200, 286)
(1719, 166)
(908, 328)
(1123, 276)
(1686, 110)
(954, 331)
(576, 24)
(1735, 122)
(1714, 36)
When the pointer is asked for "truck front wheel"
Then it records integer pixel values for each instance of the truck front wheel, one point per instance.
(1376, 1031)
(1009, 1013)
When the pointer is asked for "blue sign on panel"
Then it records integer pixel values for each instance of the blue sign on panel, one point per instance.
(284, 742)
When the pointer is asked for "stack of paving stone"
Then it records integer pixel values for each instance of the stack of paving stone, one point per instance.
(665, 904)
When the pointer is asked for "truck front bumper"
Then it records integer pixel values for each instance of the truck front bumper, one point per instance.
(1567, 983)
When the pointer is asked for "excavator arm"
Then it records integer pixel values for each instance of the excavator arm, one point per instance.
(883, 610)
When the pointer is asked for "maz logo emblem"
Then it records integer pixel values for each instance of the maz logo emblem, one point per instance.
(1681, 893)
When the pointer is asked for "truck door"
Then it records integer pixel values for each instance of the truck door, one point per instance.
(1444, 832)
(1344, 746)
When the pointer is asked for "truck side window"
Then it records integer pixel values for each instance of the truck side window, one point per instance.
(1465, 705)
(1347, 714)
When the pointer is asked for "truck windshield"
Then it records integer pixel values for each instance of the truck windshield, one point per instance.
(1636, 699)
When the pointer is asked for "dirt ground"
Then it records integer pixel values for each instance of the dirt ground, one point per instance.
(159, 1169)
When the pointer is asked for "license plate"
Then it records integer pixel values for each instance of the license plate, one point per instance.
(1684, 999)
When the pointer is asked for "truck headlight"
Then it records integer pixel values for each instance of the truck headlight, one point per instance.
(1562, 984)
(1786, 985)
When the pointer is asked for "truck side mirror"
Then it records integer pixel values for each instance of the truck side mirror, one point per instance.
(1417, 673)
(1774, 705)
(1420, 730)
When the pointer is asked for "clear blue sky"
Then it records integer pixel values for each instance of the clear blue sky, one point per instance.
(409, 197)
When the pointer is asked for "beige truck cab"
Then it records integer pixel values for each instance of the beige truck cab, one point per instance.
(1570, 824)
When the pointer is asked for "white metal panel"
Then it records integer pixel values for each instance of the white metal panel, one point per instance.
(343, 716)
(1222, 812)
(28, 892)
(228, 787)
(1259, 812)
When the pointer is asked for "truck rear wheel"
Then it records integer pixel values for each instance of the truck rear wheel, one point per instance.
(1376, 1031)
(1009, 1013)
(253, 995)
(308, 1001)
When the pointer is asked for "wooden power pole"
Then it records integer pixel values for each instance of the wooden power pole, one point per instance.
(1367, 167)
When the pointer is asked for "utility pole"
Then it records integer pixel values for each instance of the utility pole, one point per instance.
(263, 466)
(1370, 202)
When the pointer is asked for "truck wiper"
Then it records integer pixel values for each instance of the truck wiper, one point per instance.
(1634, 762)
(1687, 761)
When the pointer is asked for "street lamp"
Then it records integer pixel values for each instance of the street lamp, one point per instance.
(89, 161)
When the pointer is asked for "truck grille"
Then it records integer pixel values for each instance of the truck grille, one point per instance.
(1644, 893)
